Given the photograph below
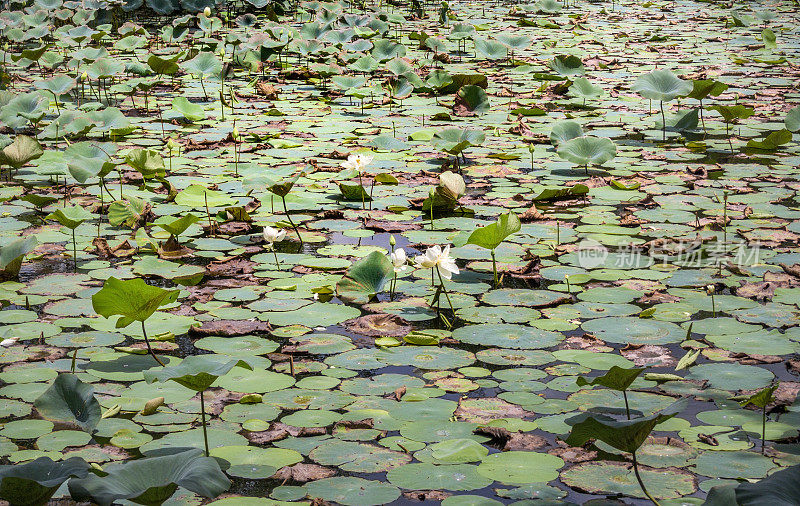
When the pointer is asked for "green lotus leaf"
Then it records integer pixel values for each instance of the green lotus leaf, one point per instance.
(57, 85)
(515, 42)
(23, 150)
(567, 65)
(352, 491)
(491, 236)
(781, 488)
(179, 226)
(132, 299)
(70, 217)
(71, 401)
(438, 79)
(456, 140)
(453, 477)
(111, 119)
(564, 131)
(283, 187)
(702, 88)
(761, 398)
(162, 66)
(520, 467)
(587, 150)
(153, 480)
(198, 196)
(354, 193)
(731, 113)
(792, 120)
(196, 372)
(147, 162)
(772, 141)
(616, 378)
(12, 254)
(386, 49)
(583, 88)
(192, 112)
(34, 483)
(472, 99)
(489, 49)
(662, 85)
(204, 64)
(129, 212)
(89, 159)
(365, 278)
(24, 108)
(625, 435)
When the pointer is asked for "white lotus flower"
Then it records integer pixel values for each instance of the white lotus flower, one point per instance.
(272, 235)
(8, 342)
(439, 258)
(399, 260)
(358, 162)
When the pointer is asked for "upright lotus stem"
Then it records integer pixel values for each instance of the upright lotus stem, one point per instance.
(639, 479)
(288, 217)
(149, 349)
(235, 137)
(74, 253)
(663, 122)
(363, 205)
(277, 263)
(203, 420)
(494, 268)
(446, 294)
(627, 406)
(569, 290)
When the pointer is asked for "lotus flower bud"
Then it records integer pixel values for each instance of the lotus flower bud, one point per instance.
(207, 12)
(392, 240)
(235, 133)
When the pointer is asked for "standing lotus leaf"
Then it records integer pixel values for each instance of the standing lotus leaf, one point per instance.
(365, 278)
(70, 401)
(153, 480)
(34, 483)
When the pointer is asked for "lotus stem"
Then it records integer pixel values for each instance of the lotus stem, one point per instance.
(288, 217)
(639, 479)
(494, 268)
(627, 406)
(203, 419)
(149, 349)
(446, 294)
(74, 253)
(277, 263)
(663, 122)
(763, 427)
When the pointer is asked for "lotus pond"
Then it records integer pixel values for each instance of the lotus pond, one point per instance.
(362, 253)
